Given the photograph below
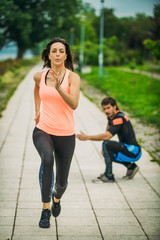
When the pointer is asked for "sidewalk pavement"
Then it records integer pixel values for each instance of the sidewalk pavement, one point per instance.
(124, 210)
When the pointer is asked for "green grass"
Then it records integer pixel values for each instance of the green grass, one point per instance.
(131, 90)
(12, 72)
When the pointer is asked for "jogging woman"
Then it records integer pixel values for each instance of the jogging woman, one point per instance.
(54, 135)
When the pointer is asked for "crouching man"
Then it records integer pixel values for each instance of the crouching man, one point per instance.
(126, 151)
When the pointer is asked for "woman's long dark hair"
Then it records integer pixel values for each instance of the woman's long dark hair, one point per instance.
(46, 51)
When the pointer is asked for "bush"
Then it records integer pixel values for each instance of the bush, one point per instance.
(11, 74)
(111, 57)
(6, 65)
(75, 53)
(132, 64)
(133, 55)
(91, 53)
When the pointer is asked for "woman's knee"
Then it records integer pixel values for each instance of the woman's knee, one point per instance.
(47, 158)
(59, 190)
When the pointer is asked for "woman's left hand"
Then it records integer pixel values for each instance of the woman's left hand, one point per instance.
(56, 76)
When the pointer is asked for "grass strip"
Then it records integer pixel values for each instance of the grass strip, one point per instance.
(134, 91)
(12, 72)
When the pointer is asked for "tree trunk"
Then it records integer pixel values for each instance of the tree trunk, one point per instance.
(20, 53)
(151, 83)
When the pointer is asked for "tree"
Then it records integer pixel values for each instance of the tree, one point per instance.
(154, 47)
(139, 29)
(156, 21)
(112, 25)
(22, 23)
(62, 15)
(28, 22)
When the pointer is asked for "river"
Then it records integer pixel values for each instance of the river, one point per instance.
(10, 51)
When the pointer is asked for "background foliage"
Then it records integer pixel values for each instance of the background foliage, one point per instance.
(31, 23)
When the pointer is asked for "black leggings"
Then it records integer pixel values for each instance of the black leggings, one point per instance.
(63, 148)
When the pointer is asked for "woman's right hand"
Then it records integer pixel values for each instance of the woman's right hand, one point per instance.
(37, 118)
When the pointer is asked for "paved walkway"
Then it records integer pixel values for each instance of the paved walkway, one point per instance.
(124, 210)
(149, 74)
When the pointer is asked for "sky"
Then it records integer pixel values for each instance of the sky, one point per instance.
(125, 8)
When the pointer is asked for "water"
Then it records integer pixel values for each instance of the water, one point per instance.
(10, 51)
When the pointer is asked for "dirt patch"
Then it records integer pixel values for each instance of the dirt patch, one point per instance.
(147, 136)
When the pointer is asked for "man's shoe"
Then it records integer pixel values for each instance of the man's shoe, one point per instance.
(104, 178)
(101, 175)
(56, 207)
(131, 172)
(45, 218)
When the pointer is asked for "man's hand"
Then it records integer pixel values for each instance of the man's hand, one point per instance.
(82, 136)
(98, 137)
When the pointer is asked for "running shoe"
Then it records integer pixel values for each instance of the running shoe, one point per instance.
(56, 207)
(104, 178)
(131, 171)
(45, 218)
(101, 175)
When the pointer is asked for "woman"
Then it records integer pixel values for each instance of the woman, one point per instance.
(58, 89)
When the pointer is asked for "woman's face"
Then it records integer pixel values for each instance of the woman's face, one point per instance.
(57, 54)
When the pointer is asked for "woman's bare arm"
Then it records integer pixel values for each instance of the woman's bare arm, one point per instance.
(37, 101)
(71, 98)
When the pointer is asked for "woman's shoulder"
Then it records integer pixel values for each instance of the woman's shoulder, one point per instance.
(37, 76)
(73, 75)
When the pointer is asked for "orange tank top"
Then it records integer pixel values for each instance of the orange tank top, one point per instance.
(56, 117)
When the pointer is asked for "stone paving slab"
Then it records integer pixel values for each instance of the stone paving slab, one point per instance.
(124, 237)
(151, 230)
(7, 212)
(110, 204)
(149, 220)
(79, 230)
(113, 212)
(118, 220)
(10, 205)
(132, 230)
(21, 237)
(74, 221)
(83, 237)
(5, 232)
(124, 210)
(153, 237)
(27, 221)
(33, 231)
(6, 221)
(145, 204)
